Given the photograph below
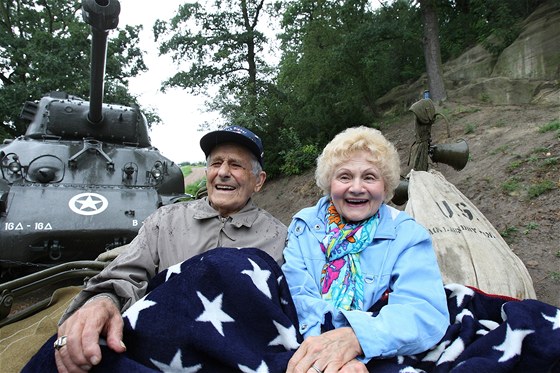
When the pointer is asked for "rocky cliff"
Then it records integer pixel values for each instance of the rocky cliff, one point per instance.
(526, 72)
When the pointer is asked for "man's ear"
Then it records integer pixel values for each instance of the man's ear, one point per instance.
(260, 181)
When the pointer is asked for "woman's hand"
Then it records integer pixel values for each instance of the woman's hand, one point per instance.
(330, 352)
(354, 366)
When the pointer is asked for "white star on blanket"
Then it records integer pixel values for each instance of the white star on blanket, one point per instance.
(436, 353)
(286, 337)
(489, 324)
(176, 365)
(487, 333)
(555, 320)
(261, 369)
(132, 313)
(460, 292)
(455, 349)
(213, 312)
(259, 278)
(512, 344)
(173, 269)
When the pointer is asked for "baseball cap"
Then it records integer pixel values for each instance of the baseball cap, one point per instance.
(235, 134)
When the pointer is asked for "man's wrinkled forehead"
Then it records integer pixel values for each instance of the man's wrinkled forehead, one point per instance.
(231, 152)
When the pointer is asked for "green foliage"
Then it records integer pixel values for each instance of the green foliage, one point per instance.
(298, 157)
(500, 123)
(501, 149)
(537, 189)
(495, 18)
(194, 187)
(540, 149)
(485, 97)
(469, 128)
(338, 58)
(515, 164)
(191, 164)
(551, 126)
(45, 46)
(552, 161)
(298, 160)
(511, 185)
(530, 226)
(186, 169)
(508, 232)
(462, 24)
(221, 46)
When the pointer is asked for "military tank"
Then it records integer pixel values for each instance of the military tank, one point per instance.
(85, 175)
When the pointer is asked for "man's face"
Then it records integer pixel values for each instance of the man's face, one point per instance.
(230, 179)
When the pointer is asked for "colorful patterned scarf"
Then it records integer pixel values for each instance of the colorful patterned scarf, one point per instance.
(341, 277)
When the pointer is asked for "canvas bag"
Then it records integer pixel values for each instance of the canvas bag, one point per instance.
(470, 251)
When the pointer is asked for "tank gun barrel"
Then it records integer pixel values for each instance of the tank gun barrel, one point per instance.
(102, 16)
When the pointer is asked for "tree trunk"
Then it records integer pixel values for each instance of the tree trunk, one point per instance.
(432, 53)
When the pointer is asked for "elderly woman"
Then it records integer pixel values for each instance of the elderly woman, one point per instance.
(352, 250)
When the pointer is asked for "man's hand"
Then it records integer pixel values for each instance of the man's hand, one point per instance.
(330, 352)
(99, 317)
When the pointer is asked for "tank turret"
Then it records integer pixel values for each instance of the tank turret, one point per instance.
(69, 117)
(85, 175)
(102, 16)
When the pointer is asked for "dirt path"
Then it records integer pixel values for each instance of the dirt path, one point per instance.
(196, 174)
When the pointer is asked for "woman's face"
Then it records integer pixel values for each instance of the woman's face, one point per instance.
(357, 188)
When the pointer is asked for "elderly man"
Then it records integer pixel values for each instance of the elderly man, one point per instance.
(226, 218)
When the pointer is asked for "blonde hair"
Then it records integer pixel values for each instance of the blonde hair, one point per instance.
(381, 152)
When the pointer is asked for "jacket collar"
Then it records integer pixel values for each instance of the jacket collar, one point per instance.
(315, 218)
(245, 217)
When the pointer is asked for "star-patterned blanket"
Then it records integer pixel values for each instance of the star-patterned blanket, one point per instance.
(226, 310)
(229, 310)
(488, 334)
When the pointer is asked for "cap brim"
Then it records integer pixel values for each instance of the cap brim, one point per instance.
(209, 141)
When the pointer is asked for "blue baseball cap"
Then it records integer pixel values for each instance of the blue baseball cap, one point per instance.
(235, 134)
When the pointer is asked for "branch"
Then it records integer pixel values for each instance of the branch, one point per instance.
(5, 80)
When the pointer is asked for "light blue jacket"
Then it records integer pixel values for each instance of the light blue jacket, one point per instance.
(400, 258)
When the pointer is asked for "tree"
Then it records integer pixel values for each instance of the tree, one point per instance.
(44, 46)
(432, 54)
(221, 45)
(321, 69)
(339, 58)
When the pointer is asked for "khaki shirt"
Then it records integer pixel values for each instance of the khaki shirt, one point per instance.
(175, 233)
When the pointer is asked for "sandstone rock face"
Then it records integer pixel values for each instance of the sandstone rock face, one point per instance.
(535, 54)
(526, 72)
(475, 63)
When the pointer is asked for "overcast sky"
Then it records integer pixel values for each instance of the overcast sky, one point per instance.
(177, 137)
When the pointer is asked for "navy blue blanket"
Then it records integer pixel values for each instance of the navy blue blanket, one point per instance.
(229, 310)
(488, 334)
